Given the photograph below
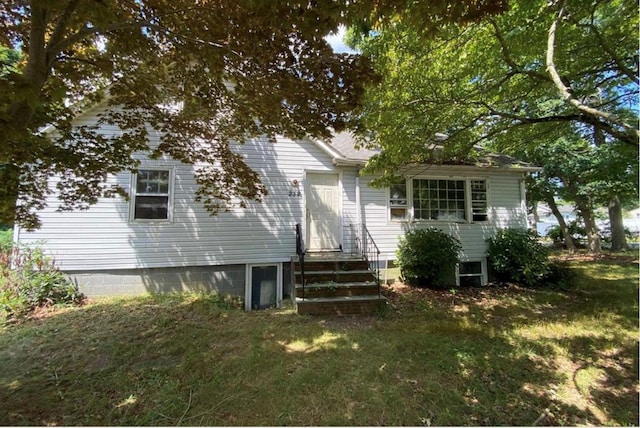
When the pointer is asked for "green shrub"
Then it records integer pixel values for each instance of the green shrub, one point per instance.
(428, 257)
(576, 230)
(30, 279)
(6, 240)
(515, 255)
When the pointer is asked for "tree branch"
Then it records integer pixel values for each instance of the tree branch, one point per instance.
(60, 28)
(619, 63)
(89, 31)
(506, 53)
(630, 133)
(581, 118)
(621, 67)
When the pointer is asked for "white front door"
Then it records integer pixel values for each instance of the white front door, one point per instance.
(323, 208)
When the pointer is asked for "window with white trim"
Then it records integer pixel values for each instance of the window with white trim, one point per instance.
(478, 200)
(435, 199)
(151, 195)
(439, 200)
(398, 200)
(471, 274)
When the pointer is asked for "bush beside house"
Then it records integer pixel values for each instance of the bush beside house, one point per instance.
(428, 257)
(29, 279)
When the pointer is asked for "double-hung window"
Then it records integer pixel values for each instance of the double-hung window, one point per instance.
(478, 200)
(434, 199)
(398, 200)
(151, 196)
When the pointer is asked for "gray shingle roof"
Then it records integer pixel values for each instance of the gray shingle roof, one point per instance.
(345, 143)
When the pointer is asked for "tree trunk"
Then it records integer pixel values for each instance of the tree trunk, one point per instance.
(568, 239)
(9, 177)
(536, 217)
(593, 238)
(618, 238)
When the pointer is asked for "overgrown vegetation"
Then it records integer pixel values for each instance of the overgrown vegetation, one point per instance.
(579, 234)
(481, 356)
(29, 279)
(428, 257)
(515, 255)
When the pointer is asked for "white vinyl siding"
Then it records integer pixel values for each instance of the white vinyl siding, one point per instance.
(104, 237)
(505, 208)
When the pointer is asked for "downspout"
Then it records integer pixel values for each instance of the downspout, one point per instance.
(16, 243)
(358, 207)
(523, 200)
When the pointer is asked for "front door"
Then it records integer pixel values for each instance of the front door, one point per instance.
(323, 208)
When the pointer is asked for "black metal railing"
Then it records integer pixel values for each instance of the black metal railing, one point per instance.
(300, 253)
(371, 253)
(355, 242)
(365, 247)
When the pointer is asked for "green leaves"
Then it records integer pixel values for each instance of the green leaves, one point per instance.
(428, 257)
(517, 256)
(488, 82)
(243, 69)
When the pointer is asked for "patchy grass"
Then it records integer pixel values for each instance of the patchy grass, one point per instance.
(494, 356)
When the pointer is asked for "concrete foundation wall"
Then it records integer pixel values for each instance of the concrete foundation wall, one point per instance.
(226, 279)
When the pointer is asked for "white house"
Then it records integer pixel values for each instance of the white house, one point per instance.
(161, 240)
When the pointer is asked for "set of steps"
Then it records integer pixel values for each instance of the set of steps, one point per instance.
(336, 284)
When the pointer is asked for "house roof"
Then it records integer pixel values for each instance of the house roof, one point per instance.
(345, 150)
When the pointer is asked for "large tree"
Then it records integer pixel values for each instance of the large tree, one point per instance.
(541, 71)
(585, 175)
(485, 81)
(202, 73)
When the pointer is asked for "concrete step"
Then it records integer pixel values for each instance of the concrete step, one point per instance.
(333, 289)
(357, 305)
(345, 265)
(339, 276)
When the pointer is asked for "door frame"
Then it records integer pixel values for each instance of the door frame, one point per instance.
(248, 279)
(307, 229)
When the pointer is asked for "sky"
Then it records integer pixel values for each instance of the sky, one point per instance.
(336, 42)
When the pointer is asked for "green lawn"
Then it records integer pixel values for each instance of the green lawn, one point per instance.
(490, 356)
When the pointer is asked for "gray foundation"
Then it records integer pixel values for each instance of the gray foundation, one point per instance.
(226, 279)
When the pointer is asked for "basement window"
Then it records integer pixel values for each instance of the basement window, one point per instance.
(263, 288)
(471, 274)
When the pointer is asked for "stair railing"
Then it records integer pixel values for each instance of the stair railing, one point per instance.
(365, 247)
(300, 252)
(355, 241)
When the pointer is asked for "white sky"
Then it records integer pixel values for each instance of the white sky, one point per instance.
(336, 42)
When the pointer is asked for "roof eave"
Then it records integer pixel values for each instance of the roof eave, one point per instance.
(341, 161)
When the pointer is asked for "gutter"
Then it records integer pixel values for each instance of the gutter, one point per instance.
(342, 161)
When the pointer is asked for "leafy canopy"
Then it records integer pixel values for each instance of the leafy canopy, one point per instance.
(496, 80)
(238, 69)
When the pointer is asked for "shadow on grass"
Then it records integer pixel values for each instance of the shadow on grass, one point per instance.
(505, 359)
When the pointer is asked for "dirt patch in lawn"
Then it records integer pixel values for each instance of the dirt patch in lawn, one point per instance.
(400, 294)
